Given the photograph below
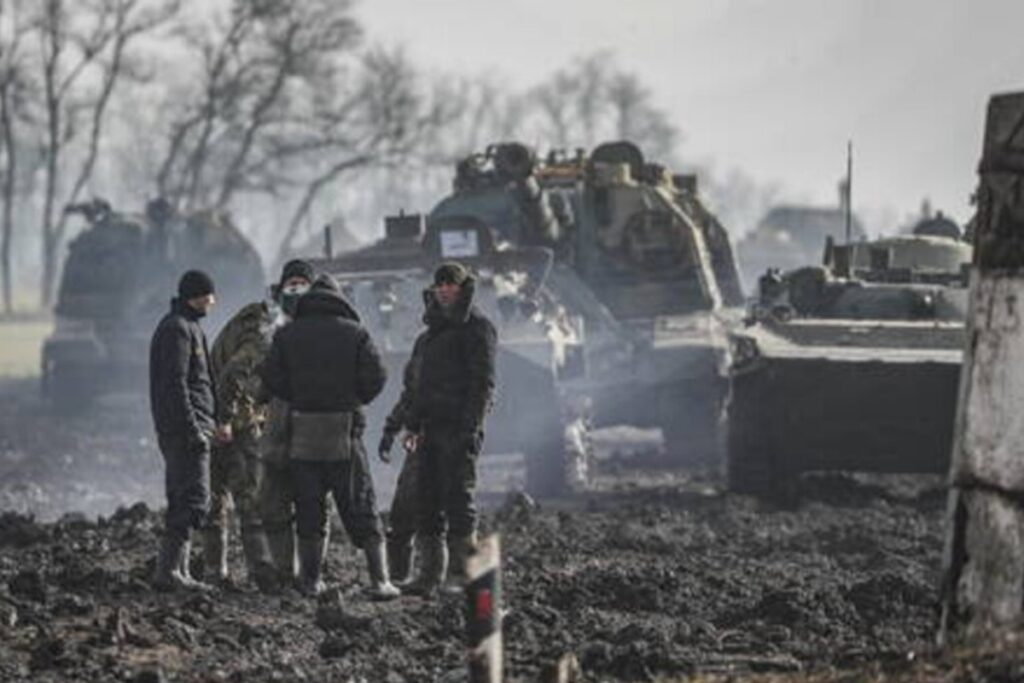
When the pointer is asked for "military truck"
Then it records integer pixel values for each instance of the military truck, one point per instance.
(633, 245)
(851, 365)
(117, 280)
(538, 411)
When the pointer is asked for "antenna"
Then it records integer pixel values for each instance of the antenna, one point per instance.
(849, 189)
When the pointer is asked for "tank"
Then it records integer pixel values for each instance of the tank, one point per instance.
(116, 283)
(639, 258)
(851, 365)
(538, 417)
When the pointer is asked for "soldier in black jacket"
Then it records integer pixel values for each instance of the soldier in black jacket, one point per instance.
(449, 387)
(183, 402)
(325, 366)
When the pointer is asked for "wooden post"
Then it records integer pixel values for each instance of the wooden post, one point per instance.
(983, 583)
(484, 612)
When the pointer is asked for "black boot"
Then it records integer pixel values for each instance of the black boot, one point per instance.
(311, 559)
(281, 544)
(172, 566)
(191, 583)
(459, 550)
(215, 554)
(400, 555)
(432, 566)
(167, 576)
(381, 587)
(258, 565)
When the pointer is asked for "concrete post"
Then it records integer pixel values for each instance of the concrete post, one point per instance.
(983, 584)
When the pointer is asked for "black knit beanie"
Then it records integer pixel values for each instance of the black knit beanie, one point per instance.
(194, 284)
(297, 268)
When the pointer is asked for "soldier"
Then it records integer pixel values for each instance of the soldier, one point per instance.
(183, 402)
(325, 366)
(276, 505)
(402, 519)
(235, 467)
(452, 379)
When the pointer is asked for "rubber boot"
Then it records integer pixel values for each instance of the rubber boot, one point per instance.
(459, 550)
(400, 558)
(172, 566)
(185, 570)
(311, 560)
(281, 544)
(167, 576)
(260, 569)
(381, 587)
(215, 554)
(432, 566)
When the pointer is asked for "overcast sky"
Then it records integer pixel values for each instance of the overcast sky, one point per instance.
(774, 87)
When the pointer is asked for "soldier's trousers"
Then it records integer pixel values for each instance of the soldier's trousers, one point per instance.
(350, 484)
(235, 476)
(187, 483)
(403, 518)
(275, 500)
(447, 480)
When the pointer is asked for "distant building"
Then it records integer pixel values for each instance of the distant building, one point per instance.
(791, 236)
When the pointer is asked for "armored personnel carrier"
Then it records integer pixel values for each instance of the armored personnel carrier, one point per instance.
(117, 280)
(538, 411)
(851, 365)
(639, 258)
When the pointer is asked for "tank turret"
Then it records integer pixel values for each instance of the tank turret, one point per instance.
(635, 240)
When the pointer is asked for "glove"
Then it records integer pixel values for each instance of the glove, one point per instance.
(199, 443)
(387, 440)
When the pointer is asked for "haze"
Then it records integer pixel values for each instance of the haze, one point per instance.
(772, 87)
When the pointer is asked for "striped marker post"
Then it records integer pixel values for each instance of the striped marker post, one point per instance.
(483, 613)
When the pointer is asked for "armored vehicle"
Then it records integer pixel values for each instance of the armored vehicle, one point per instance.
(116, 283)
(633, 244)
(537, 412)
(851, 365)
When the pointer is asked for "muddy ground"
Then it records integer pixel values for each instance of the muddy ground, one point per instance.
(657, 574)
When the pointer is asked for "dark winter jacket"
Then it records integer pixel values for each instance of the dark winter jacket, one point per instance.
(324, 361)
(182, 391)
(450, 376)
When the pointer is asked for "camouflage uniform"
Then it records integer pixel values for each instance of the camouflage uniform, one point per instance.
(235, 469)
(275, 494)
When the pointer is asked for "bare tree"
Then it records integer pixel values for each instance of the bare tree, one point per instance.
(635, 117)
(555, 107)
(13, 89)
(381, 121)
(593, 100)
(83, 55)
(259, 66)
(286, 104)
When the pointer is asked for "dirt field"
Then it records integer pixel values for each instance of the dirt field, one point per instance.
(654, 576)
